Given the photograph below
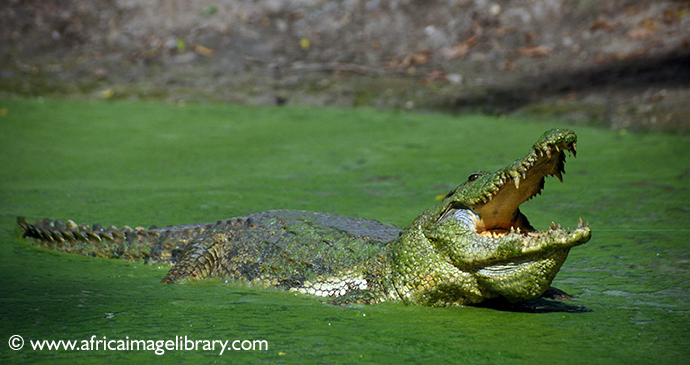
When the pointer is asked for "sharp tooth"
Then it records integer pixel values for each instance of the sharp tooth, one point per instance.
(557, 148)
(579, 224)
(559, 176)
(548, 152)
(553, 226)
(574, 150)
(517, 182)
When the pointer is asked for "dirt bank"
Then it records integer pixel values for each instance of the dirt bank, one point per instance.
(623, 64)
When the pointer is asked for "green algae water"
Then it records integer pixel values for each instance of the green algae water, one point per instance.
(142, 164)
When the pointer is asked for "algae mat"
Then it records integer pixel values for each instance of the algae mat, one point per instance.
(142, 164)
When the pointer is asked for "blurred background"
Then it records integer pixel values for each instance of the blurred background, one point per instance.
(623, 64)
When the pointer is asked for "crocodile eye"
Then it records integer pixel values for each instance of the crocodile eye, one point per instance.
(473, 177)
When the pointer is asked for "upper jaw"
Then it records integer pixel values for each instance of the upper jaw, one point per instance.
(495, 197)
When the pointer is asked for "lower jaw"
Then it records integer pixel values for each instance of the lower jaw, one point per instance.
(525, 280)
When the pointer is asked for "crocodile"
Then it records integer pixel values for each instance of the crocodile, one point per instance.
(472, 246)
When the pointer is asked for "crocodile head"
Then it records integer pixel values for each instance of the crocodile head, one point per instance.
(481, 245)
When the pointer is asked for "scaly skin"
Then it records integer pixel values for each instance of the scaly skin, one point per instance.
(473, 246)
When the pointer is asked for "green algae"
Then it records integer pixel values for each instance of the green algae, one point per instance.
(141, 164)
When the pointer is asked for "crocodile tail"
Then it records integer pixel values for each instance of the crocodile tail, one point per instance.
(111, 242)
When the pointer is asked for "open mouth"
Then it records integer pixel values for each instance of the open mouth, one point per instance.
(498, 195)
(479, 231)
(499, 213)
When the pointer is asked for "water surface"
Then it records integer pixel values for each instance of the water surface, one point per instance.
(142, 164)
